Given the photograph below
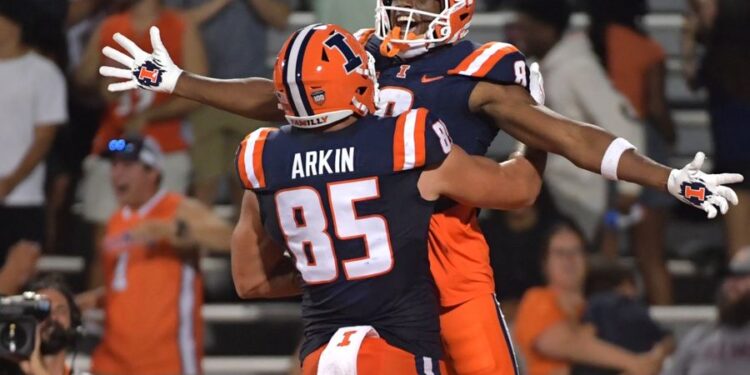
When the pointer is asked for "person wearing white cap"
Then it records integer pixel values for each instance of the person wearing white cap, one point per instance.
(151, 289)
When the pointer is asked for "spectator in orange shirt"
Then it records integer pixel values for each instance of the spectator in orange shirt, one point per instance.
(151, 287)
(139, 113)
(615, 32)
(548, 327)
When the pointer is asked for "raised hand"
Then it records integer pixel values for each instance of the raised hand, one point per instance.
(155, 71)
(701, 190)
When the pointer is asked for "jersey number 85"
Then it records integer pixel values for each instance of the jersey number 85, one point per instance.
(303, 221)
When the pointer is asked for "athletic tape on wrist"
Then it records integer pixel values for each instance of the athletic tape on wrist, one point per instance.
(612, 156)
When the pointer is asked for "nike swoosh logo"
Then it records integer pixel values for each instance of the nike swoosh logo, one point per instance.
(426, 79)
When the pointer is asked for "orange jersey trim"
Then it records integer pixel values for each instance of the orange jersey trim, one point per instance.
(250, 159)
(480, 62)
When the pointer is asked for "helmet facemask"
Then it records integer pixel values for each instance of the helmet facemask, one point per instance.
(403, 41)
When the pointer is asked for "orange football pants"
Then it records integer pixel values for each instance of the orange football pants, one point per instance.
(377, 357)
(476, 339)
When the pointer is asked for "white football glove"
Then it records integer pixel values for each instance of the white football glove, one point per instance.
(704, 191)
(154, 72)
(536, 84)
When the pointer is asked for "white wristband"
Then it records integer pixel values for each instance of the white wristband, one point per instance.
(611, 159)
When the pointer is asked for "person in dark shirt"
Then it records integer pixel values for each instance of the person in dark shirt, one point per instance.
(618, 316)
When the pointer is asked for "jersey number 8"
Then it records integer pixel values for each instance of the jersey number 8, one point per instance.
(303, 220)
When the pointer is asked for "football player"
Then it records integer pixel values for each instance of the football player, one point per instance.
(350, 195)
(423, 61)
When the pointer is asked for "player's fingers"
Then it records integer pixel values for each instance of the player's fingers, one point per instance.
(122, 86)
(109, 71)
(118, 56)
(128, 44)
(720, 202)
(697, 162)
(156, 42)
(728, 178)
(710, 209)
(728, 194)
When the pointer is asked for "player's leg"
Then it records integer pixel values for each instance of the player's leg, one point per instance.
(377, 357)
(476, 339)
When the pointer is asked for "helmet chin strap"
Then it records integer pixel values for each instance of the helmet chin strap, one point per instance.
(414, 52)
(405, 50)
(320, 120)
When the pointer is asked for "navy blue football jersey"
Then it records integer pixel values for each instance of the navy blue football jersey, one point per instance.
(347, 207)
(442, 81)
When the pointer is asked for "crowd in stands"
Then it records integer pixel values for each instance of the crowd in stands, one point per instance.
(573, 313)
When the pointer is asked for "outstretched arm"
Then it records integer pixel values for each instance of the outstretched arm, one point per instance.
(259, 267)
(586, 145)
(249, 97)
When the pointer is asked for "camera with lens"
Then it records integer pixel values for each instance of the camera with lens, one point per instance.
(19, 317)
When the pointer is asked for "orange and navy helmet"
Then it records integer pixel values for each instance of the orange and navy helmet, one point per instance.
(394, 25)
(322, 76)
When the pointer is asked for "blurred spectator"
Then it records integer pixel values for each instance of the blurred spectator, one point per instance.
(139, 112)
(33, 105)
(73, 142)
(576, 86)
(151, 288)
(723, 26)
(48, 25)
(352, 15)
(58, 332)
(516, 239)
(19, 267)
(617, 315)
(235, 34)
(548, 326)
(721, 348)
(615, 31)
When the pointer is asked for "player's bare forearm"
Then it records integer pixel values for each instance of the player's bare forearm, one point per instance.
(254, 98)
(480, 182)
(284, 281)
(259, 268)
(261, 271)
(583, 144)
(174, 108)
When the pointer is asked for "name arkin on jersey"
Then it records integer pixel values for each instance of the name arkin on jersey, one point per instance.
(319, 162)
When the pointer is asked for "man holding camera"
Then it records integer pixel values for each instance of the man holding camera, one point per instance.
(56, 334)
(152, 290)
(50, 304)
